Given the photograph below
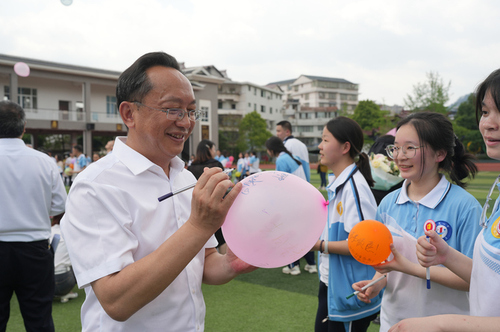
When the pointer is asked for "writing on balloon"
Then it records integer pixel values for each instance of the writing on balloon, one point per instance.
(366, 245)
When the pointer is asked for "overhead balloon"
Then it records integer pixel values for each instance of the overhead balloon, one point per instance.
(275, 220)
(22, 69)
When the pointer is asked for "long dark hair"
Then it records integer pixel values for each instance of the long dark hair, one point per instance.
(203, 153)
(275, 146)
(348, 130)
(436, 131)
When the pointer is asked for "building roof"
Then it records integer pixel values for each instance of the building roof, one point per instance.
(282, 82)
(6, 59)
(327, 79)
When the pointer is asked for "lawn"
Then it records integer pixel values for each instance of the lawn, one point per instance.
(264, 300)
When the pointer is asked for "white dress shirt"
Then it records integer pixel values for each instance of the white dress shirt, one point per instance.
(113, 218)
(31, 190)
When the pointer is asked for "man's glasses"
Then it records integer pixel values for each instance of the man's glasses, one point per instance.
(175, 114)
(484, 220)
(409, 150)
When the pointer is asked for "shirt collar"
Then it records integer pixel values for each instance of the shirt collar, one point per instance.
(341, 179)
(137, 163)
(432, 199)
(12, 142)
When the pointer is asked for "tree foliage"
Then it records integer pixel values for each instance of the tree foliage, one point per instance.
(253, 132)
(465, 126)
(431, 95)
(466, 114)
(371, 119)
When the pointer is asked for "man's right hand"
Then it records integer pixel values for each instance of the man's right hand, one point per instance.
(210, 203)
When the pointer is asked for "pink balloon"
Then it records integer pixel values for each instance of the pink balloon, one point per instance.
(275, 220)
(22, 69)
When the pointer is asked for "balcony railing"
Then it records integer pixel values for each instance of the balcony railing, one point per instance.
(49, 115)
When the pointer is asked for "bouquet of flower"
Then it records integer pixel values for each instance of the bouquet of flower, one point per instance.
(385, 173)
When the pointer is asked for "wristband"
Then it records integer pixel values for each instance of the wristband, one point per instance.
(326, 248)
(321, 245)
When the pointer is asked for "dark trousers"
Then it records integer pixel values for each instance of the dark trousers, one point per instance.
(322, 176)
(309, 257)
(360, 325)
(64, 282)
(28, 270)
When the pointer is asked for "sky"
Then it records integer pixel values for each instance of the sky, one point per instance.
(385, 46)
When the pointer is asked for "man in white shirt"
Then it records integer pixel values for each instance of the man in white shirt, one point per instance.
(31, 191)
(299, 150)
(295, 146)
(142, 261)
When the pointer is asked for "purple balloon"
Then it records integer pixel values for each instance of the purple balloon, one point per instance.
(275, 220)
(22, 69)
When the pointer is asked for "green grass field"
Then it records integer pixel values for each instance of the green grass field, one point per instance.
(264, 300)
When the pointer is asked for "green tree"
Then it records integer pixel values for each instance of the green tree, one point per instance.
(466, 128)
(466, 114)
(430, 95)
(253, 132)
(369, 116)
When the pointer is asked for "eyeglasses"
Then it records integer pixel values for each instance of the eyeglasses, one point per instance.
(175, 114)
(484, 220)
(409, 150)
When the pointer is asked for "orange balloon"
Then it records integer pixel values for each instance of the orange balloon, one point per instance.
(369, 242)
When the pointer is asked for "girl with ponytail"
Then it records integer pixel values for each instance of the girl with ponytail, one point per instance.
(425, 149)
(350, 201)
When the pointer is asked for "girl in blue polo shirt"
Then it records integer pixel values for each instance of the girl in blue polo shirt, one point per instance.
(350, 201)
(425, 147)
(483, 270)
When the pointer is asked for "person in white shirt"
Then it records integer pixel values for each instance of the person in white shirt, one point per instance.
(31, 191)
(295, 146)
(142, 261)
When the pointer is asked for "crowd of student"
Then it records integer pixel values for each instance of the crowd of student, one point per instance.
(142, 260)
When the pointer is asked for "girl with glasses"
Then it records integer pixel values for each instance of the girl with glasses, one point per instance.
(482, 272)
(425, 149)
(350, 201)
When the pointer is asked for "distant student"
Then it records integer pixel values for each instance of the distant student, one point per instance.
(425, 148)
(350, 201)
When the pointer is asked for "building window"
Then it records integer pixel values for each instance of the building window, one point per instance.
(220, 105)
(270, 110)
(306, 97)
(204, 114)
(262, 108)
(111, 105)
(262, 93)
(26, 97)
(249, 105)
(320, 128)
(305, 129)
(233, 106)
(255, 107)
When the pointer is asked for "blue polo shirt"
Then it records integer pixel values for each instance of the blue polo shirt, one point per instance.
(456, 214)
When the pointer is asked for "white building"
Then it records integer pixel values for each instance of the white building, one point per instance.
(236, 99)
(310, 101)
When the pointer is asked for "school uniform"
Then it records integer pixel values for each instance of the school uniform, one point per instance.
(456, 214)
(350, 201)
(485, 278)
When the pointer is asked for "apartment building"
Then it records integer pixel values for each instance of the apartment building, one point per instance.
(62, 99)
(236, 99)
(310, 101)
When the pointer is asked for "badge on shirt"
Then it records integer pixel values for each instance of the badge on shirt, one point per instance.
(340, 209)
(495, 228)
(443, 229)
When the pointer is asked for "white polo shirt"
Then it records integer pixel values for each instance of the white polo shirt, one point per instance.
(31, 190)
(113, 218)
